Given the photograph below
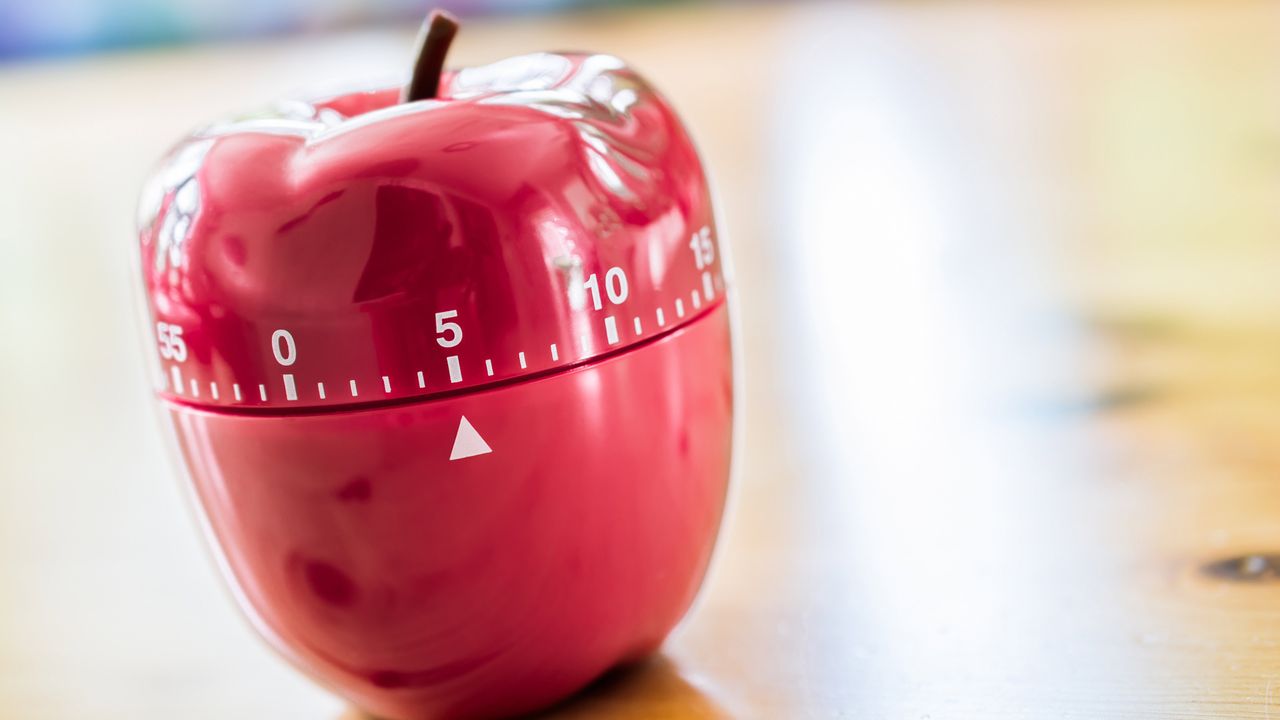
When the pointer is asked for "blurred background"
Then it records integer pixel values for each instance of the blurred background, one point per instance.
(1007, 276)
(78, 26)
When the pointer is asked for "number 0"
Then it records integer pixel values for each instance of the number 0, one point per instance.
(289, 353)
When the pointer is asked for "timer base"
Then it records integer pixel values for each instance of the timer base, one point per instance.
(420, 586)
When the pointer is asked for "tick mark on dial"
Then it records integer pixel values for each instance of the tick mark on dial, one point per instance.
(523, 364)
(422, 381)
(488, 365)
(555, 354)
(354, 392)
(320, 389)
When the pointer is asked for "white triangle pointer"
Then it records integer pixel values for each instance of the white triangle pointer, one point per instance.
(468, 443)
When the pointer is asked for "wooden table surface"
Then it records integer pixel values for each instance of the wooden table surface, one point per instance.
(1009, 282)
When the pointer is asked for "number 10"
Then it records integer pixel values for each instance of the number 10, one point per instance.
(615, 286)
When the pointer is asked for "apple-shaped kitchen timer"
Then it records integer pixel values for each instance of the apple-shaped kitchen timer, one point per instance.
(449, 369)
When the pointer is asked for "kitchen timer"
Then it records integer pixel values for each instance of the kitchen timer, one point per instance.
(449, 369)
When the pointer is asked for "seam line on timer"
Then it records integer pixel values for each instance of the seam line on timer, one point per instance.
(455, 369)
(709, 286)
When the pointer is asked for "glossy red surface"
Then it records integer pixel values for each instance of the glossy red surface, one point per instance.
(334, 287)
(304, 257)
(426, 587)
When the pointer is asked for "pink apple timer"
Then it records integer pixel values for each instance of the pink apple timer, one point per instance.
(449, 369)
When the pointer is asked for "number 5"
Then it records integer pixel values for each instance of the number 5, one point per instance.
(451, 328)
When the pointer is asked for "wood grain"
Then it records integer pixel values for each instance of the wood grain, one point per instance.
(1011, 328)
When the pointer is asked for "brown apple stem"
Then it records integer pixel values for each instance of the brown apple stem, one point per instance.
(437, 33)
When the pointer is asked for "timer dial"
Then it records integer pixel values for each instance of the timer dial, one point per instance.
(542, 212)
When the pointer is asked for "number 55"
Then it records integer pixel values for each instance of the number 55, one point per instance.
(172, 346)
